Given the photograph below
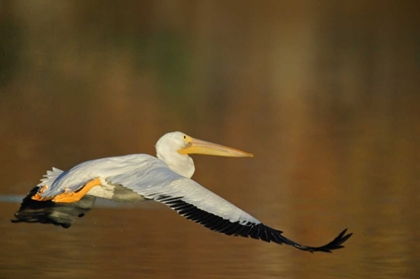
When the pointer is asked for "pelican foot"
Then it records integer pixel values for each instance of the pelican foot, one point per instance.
(75, 196)
(37, 196)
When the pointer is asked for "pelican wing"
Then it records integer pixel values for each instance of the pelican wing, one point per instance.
(202, 206)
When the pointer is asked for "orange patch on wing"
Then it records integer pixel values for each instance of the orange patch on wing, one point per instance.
(77, 195)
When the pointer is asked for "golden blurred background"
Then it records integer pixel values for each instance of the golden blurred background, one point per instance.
(324, 93)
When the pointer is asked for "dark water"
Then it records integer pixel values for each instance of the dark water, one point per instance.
(154, 242)
(325, 95)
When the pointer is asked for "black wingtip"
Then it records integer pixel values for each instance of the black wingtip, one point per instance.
(335, 244)
(249, 229)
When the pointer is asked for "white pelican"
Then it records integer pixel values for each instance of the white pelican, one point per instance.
(63, 195)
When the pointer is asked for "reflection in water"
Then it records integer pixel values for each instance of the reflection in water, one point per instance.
(326, 99)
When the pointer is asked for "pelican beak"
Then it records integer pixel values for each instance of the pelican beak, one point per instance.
(196, 146)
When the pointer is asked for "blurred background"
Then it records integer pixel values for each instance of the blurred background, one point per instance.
(324, 93)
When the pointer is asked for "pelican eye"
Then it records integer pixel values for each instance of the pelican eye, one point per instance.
(187, 138)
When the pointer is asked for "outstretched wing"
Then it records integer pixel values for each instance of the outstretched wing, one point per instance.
(48, 212)
(202, 206)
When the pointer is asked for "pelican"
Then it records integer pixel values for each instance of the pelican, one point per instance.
(63, 195)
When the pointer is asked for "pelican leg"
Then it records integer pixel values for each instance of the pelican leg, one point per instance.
(77, 195)
(37, 196)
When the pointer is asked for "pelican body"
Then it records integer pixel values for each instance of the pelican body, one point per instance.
(64, 195)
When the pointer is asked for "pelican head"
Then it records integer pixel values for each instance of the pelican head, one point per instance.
(173, 148)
